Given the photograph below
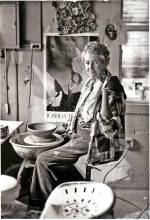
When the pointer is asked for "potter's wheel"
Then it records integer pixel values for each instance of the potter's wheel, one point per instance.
(53, 139)
(32, 150)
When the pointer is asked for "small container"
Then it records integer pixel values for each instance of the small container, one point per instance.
(4, 131)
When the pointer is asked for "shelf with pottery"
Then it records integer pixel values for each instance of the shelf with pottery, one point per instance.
(10, 128)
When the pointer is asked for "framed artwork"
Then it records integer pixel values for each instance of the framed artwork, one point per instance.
(135, 66)
(135, 53)
(64, 74)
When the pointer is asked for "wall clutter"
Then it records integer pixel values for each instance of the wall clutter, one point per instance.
(136, 122)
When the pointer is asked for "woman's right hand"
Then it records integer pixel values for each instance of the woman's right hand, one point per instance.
(75, 135)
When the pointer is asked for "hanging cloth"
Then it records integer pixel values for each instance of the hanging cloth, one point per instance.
(75, 17)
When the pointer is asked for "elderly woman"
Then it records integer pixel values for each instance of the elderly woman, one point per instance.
(102, 104)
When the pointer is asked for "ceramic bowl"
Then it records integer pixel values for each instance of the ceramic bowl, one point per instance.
(42, 130)
(9, 189)
(31, 151)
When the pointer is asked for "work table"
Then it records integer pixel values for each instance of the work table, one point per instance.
(13, 126)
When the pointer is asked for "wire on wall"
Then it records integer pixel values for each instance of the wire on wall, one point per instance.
(17, 93)
(30, 90)
(6, 106)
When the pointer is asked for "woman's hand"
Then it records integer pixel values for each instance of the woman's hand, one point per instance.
(109, 125)
(75, 135)
(108, 128)
(60, 131)
(71, 135)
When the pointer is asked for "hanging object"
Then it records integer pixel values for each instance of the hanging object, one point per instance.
(75, 17)
(6, 105)
(15, 54)
(112, 31)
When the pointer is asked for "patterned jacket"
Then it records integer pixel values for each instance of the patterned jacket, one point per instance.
(113, 130)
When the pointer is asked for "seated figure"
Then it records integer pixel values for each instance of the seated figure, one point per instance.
(102, 105)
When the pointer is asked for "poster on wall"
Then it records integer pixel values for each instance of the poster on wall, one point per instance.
(64, 75)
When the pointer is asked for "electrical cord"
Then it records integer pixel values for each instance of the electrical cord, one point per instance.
(142, 211)
(145, 207)
(30, 88)
(17, 92)
(123, 156)
(131, 203)
(93, 167)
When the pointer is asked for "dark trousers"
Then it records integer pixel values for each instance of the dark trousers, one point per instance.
(56, 166)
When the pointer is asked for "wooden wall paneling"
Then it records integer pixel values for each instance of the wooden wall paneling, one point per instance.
(9, 25)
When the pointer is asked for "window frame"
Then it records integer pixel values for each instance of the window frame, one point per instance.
(131, 27)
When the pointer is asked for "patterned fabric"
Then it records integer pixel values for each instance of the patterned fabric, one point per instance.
(75, 17)
(105, 132)
(83, 100)
(103, 148)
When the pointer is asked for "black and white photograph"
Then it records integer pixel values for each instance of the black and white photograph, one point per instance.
(64, 75)
(74, 126)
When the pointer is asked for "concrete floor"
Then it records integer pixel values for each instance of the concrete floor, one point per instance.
(122, 209)
(119, 180)
(125, 210)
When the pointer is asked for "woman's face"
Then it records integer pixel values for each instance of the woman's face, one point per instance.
(94, 64)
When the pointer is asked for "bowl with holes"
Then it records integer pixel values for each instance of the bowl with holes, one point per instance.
(41, 130)
(28, 149)
(81, 200)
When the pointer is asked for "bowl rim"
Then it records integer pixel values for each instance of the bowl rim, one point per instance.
(28, 146)
(40, 123)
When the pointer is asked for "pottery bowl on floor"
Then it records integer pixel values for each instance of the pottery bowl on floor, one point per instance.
(9, 188)
(31, 151)
(42, 130)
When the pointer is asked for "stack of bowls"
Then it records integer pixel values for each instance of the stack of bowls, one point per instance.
(40, 137)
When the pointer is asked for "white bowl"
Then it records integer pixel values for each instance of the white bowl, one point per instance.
(9, 187)
(31, 151)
